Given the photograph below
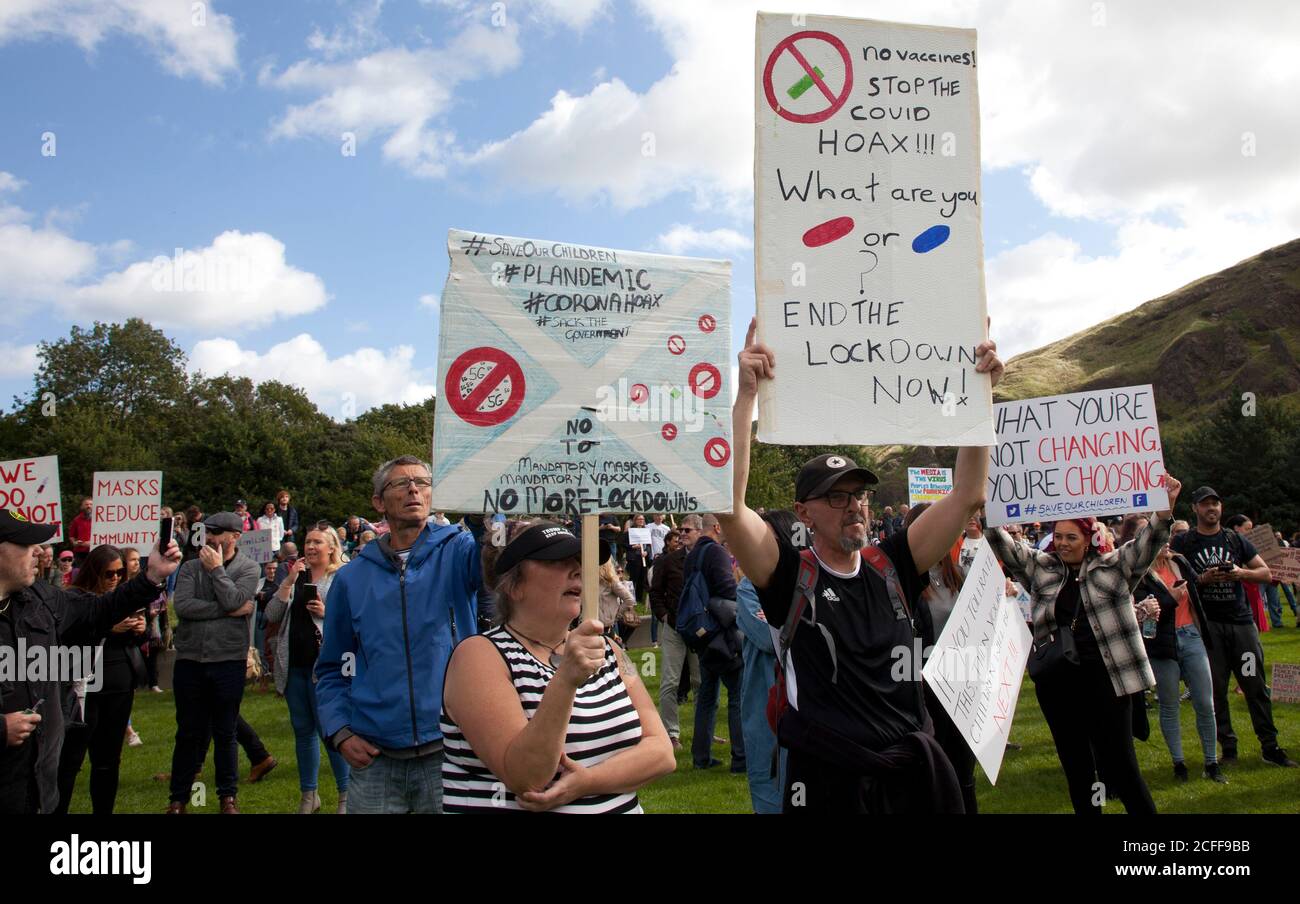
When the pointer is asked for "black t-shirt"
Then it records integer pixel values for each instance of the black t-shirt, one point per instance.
(1223, 601)
(844, 663)
(1067, 604)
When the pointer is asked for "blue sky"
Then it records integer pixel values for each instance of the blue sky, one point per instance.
(1114, 151)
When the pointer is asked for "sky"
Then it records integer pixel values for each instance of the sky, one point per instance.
(327, 147)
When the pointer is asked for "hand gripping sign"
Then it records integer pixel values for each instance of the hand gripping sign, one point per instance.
(868, 245)
(577, 379)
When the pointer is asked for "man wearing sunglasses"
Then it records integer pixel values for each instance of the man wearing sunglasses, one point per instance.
(394, 614)
(856, 728)
(214, 602)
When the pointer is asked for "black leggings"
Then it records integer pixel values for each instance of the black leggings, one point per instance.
(1093, 732)
(955, 746)
(107, 714)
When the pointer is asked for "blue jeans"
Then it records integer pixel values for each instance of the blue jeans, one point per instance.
(390, 785)
(300, 694)
(1290, 598)
(1193, 665)
(706, 714)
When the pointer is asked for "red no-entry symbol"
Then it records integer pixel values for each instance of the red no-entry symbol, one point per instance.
(638, 393)
(708, 323)
(705, 380)
(485, 386)
(836, 100)
(676, 344)
(717, 452)
(669, 432)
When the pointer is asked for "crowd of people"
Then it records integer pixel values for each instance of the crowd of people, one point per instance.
(448, 667)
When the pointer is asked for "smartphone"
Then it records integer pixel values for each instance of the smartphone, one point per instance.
(164, 533)
(309, 591)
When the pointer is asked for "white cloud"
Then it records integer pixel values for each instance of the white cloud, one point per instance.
(366, 377)
(38, 263)
(683, 239)
(17, 360)
(10, 182)
(186, 42)
(396, 94)
(431, 301)
(360, 33)
(240, 280)
(576, 14)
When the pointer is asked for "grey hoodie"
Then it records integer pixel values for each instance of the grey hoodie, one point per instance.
(204, 599)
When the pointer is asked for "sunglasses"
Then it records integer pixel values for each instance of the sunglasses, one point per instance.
(115, 573)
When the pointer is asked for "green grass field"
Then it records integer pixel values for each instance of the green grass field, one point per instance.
(1031, 779)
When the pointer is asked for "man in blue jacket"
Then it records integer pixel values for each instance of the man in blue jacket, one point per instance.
(393, 615)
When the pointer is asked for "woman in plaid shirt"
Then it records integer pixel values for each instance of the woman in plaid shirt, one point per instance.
(1080, 586)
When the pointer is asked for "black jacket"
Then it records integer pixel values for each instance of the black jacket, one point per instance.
(50, 618)
(666, 586)
(713, 562)
(1165, 644)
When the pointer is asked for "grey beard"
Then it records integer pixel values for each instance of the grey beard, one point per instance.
(852, 544)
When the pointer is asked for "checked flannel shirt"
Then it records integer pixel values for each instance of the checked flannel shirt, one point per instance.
(1106, 592)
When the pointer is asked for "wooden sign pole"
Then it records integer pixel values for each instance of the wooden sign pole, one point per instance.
(590, 567)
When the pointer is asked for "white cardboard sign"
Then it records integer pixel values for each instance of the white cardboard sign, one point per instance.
(1092, 453)
(869, 254)
(30, 486)
(126, 509)
(979, 660)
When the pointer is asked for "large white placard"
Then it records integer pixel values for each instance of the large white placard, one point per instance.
(30, 487)
(575, 379)
(979, 660)
(258, 544)
(126, 509)
(869, 261)
(1071, 456)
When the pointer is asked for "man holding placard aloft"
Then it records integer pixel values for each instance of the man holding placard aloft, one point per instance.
(859, 740)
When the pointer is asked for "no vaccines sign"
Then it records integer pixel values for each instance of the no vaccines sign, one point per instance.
(868, 243)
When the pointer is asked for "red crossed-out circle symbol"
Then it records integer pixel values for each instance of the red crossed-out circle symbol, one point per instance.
(836, 101)
(708, 323)
(705, 380)
(676, 344)
(638, 393)
(669, 432)
(717, 452)
(485, 386)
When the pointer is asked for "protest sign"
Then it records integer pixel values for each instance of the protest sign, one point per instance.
(1069, 456)
(638, 536)
(1286, 683)
(1286, 568)
(259, 545)
(928, 484)
(868, 244)
(576, 379)
(1262, 538)
(126, 509)
(30, 487)
(979, 660)
(1282, 561)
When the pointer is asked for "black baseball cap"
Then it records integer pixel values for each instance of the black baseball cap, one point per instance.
(822, 473)
(15, 528)
(546, 543)
(1203, 493)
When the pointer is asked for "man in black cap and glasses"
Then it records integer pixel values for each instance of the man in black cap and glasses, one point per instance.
(1223, 559)
(854, 723)
(35, 615)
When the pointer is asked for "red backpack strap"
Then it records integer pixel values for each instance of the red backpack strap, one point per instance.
(882, 565)
(803, 597)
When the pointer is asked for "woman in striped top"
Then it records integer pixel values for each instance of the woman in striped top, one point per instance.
(540, 717)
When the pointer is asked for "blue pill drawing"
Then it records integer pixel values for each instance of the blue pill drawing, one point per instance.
(930, 239)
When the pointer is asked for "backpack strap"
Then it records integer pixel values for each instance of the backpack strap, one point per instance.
(803, 597)
(883, 566)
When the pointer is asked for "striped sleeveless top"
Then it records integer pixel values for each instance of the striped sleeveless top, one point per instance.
(604, 721)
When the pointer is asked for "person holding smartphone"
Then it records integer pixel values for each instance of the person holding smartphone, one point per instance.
(298, 606)
(46, 617)
(1178, 648)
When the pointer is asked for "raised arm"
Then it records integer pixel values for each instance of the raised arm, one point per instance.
(1135, 558)
(930, 536)
(748, 537)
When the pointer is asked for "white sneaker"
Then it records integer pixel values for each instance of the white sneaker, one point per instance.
(134, 740)
(156, 689)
